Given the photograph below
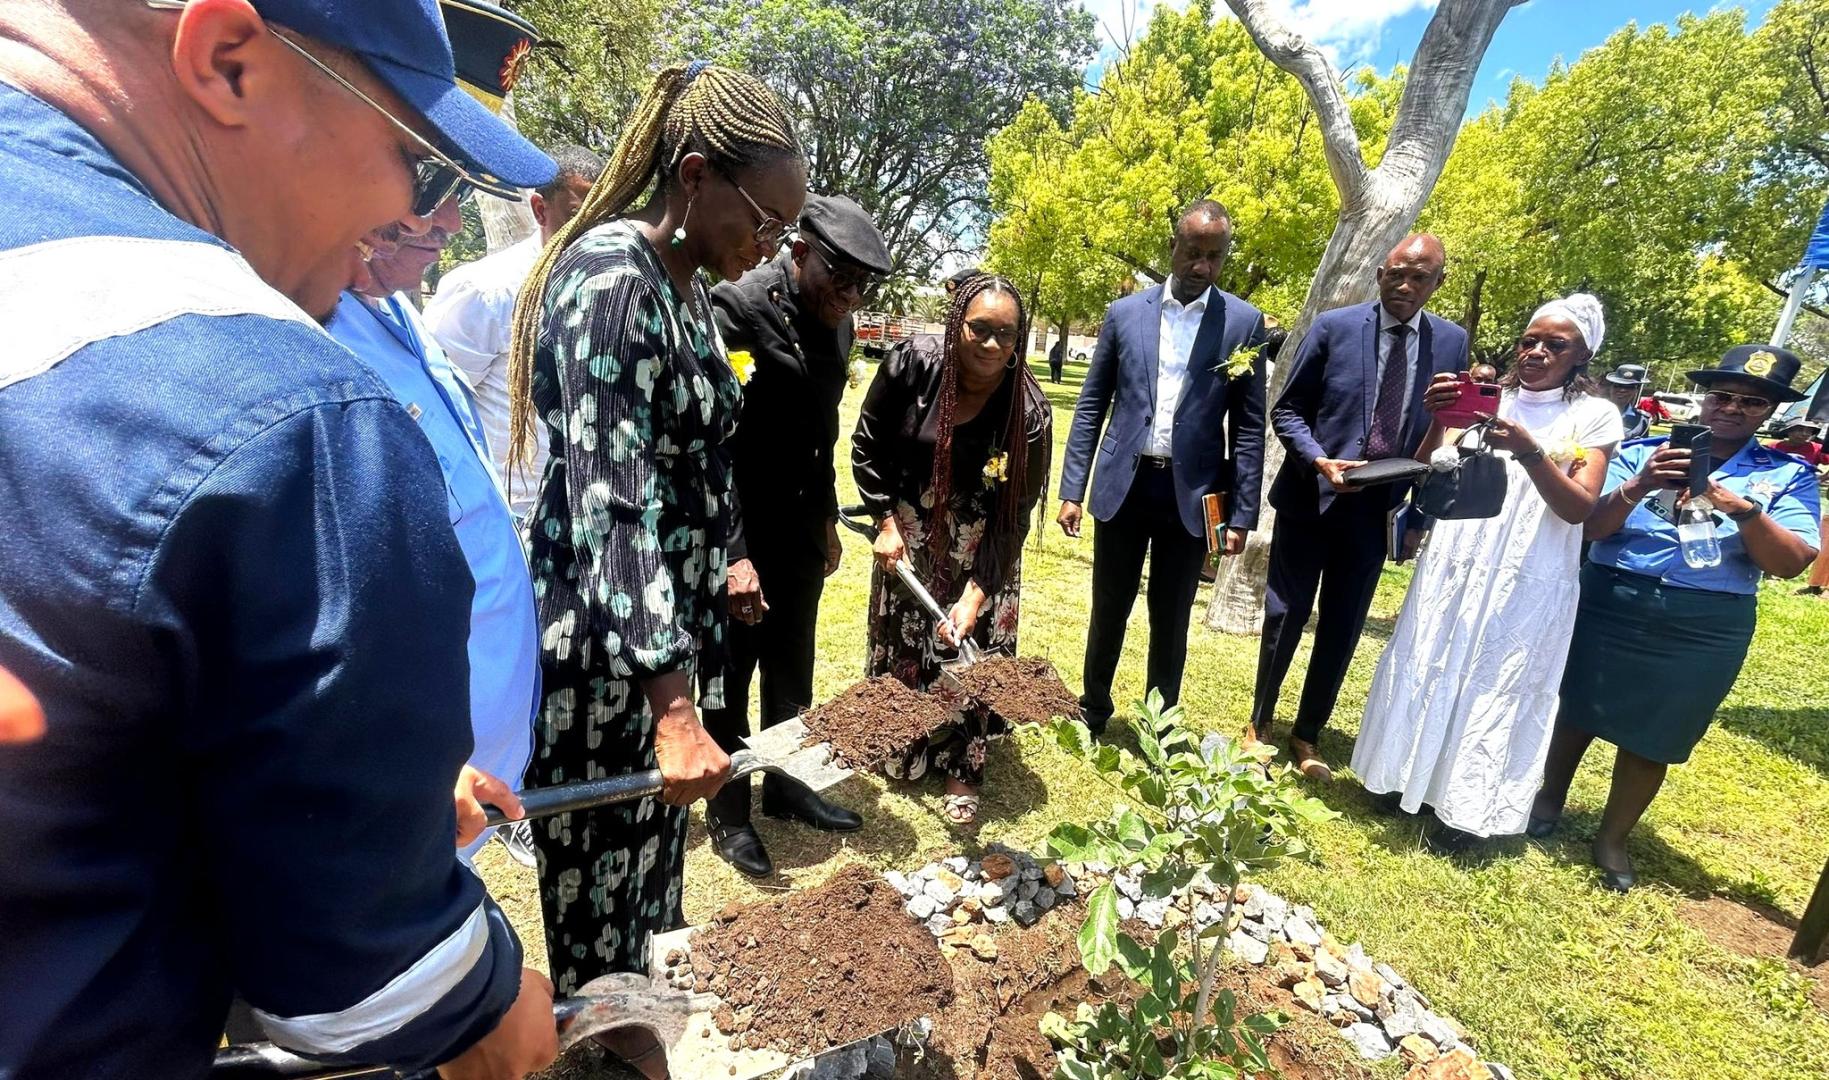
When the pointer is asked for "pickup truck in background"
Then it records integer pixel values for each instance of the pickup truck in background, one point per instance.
(878, 332)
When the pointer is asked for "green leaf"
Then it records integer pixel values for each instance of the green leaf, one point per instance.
(1132, 831)
(1069, 841)
(1133, 959)
(1099, 934)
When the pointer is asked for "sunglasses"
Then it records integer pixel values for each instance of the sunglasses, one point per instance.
(435, 175)
(985, 333)
(1747, 402)
(1555, 346)
(770, 230)
(845, 278)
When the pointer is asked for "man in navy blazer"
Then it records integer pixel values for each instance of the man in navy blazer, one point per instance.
(1179, 421)
(1354, 394)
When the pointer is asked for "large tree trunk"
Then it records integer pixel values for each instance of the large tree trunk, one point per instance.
(1377, 207)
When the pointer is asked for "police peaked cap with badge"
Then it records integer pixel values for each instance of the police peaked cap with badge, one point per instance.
(843, 228)
(491, 48)
(1627, 375)
(406, 45)
(1768, 367)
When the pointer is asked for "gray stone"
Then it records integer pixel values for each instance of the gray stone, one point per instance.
(1257, 930)
(1305, 913)
(1043, 899)
(1024, 913)
(1027, 890)
(928, 871)
(1128, 886)
(1301, 931)
(957, 864)
(1498, 1071)
(1369, 1041)
(996, 913)
(920, 908)
(1389, 974)
(1437, 1031)
(1330, 1006)
(974, 871)
(881, 1055)
(938, 892)
(845, 1063)
(1154, 912)
(1254, 902)
(1351, 1004)
(1067, 889)
(1400, 1019)
(1355, 957)
(1205, 915)
(1098, 867)
(990, 893)
(1126, 908)
(900, 883)
(1009, 884)
(1329, 969)
(1247, 948)
(1031, 872)
(939, 924)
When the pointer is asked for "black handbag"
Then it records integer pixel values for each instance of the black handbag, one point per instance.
(1473, 487)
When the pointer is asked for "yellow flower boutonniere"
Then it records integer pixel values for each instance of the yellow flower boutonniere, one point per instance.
(743, 364)
(1240, 363)
(1567, 452)
(997, 468)
(856, 372)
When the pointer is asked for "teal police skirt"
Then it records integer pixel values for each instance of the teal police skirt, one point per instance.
(1649, 664)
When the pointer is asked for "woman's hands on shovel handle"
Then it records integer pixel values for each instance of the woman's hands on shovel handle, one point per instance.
(476, 791)
(889, 547)
(962, 616)
(692, 765)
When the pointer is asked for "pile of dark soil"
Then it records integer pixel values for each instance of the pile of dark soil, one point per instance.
(821, 968)
(874, 720)
(1020, 689)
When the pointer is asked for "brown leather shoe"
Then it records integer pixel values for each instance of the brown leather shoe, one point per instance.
(1307, 759)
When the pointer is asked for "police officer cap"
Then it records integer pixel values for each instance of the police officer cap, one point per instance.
(1627, 375)
(843, 227)
(490, 46)
(1768, 367)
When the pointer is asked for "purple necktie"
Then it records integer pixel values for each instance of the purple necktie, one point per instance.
(1393, 390)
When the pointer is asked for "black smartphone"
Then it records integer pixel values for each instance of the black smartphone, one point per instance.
(1697, 438)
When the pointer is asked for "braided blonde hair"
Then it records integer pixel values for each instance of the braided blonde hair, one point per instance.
(729, 116)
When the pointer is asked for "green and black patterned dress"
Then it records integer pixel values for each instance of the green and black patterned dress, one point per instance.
(627, 549)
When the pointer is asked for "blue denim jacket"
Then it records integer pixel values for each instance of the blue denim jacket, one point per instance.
(227, 571)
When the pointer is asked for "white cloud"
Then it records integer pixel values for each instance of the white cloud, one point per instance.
(1502, 74)
(1349, 30)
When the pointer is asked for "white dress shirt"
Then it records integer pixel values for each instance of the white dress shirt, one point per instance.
(472, 319)
(1180, 326)
(1412, 347)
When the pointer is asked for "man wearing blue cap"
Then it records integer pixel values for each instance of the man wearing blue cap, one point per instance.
(230, 576)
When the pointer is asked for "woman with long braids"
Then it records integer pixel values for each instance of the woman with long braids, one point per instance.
(616, 352)
(950, 455)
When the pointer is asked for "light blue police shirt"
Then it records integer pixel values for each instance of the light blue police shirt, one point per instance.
(504, 636)
(1647, 542)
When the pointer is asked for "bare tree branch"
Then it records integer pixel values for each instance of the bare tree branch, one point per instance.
(1297, 55)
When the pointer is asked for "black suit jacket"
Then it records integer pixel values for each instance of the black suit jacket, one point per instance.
(782, 452)
(1325, 409)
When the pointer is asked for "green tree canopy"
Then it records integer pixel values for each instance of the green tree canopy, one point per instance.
(896, 101)
(597, 59)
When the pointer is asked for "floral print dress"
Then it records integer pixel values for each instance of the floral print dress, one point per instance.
(627, 547)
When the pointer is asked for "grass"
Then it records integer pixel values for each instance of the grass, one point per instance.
(1553, 976)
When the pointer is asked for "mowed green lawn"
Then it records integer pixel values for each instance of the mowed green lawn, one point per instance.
(1552, 975)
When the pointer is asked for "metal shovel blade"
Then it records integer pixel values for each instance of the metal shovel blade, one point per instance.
(809, 765)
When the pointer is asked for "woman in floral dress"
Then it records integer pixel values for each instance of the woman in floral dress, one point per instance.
(951, 455)
(616, 350)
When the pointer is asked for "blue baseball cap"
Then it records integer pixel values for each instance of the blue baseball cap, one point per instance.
(406, 44)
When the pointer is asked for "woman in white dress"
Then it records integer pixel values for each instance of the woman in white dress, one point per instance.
(1462, 705)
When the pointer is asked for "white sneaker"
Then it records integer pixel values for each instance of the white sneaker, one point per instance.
(517, 837)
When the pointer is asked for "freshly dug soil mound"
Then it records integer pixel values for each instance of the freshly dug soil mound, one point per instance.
(1756, 931)
(874, 720)
(1021, 689)
(821, 968)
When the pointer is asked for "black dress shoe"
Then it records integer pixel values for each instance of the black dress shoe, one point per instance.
(739, 846)
(1447, 840)
(795, 802)
(1540, 828)
(1095, 724)
(1619, 881)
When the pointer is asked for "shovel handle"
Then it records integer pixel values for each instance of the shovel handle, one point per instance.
(252, 1061)
(609, 790)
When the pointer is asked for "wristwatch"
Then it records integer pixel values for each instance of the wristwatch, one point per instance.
(1529, 457)
(1748, 514)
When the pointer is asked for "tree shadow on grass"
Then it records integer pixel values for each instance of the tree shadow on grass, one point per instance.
(1802, 733)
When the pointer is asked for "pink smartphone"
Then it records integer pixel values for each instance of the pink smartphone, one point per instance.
(1475, 398)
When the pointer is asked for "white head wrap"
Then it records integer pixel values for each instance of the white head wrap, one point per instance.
(1582, 309)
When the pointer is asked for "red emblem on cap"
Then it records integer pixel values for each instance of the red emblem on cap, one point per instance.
(514, 62)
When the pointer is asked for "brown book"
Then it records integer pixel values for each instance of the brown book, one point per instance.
(1214, 503)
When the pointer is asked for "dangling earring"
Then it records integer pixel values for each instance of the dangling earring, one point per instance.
(679, 234)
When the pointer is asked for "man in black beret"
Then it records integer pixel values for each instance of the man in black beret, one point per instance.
(787, 325)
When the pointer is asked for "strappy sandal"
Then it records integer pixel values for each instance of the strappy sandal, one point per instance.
(961, 809)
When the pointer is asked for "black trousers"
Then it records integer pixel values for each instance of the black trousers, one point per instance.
(1340, 554)
(1147, 522)
(781, 646)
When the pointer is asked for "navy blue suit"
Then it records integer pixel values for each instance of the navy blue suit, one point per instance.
(1327, 541)
(1145, 505)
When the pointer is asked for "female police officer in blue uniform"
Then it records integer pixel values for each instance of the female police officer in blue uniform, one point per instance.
(1658, 643)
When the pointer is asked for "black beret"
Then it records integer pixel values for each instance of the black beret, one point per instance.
(842, 226)
(490, 46)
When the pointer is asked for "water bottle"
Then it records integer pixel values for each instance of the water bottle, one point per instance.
(1696, 535)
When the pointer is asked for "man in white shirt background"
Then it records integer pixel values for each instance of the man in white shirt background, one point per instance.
(472, 316)
(1179, 422)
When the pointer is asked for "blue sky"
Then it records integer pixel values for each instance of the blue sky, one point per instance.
(1385, 32)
